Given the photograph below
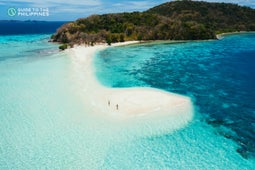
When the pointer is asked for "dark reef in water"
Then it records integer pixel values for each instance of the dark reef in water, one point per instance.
(219, 76)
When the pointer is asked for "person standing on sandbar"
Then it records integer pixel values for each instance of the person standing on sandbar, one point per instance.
(117, 106)
(109, 103)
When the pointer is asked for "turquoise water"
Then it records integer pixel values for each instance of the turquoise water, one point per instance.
(218, 75)
(45, 125)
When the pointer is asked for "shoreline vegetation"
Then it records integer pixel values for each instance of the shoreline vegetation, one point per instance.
(144, 42)
(177, 20)
(137, 109)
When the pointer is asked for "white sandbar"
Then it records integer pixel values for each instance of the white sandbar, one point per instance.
(143, 107)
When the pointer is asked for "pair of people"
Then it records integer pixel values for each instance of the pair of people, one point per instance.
(117, 106)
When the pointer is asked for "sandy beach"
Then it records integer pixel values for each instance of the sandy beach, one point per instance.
(143, 107)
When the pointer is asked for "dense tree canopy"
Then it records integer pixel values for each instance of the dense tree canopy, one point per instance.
(178, 20)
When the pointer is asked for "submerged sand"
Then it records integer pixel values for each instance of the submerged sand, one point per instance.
(150, 108)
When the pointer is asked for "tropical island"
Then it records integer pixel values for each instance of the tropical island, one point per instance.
(177, 20)
(167, 103)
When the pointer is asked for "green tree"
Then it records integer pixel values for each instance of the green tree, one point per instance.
(139, 37)
(109, 41)
(63, 46)
(122, 38)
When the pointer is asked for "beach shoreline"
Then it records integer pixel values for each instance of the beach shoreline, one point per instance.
(138, 106)
(222, 35)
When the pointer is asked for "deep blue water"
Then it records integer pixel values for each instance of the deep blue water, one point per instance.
(218, 75)
(29, 27)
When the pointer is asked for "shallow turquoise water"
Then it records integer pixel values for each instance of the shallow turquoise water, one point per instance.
(218, 75)
(45, 125)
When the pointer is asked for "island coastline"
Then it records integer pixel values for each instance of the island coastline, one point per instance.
(136, 106)
(222, 35)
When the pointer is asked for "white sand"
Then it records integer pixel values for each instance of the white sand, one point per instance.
(141, 107)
